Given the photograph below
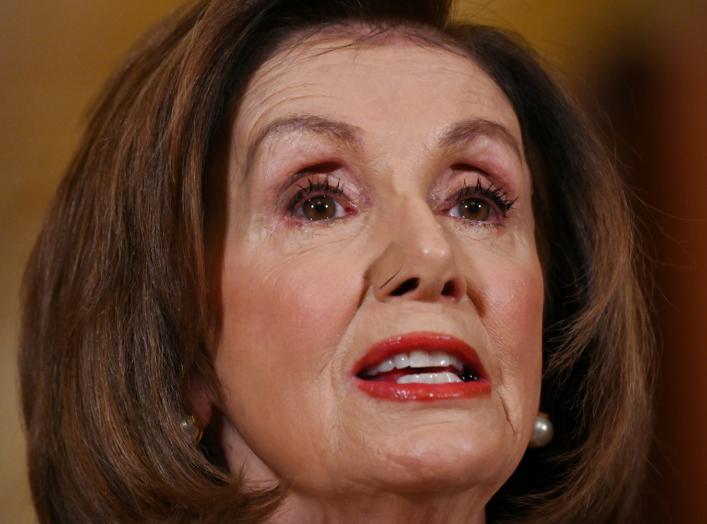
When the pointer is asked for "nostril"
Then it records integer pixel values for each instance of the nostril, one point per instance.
(408, 285)
(449, 289)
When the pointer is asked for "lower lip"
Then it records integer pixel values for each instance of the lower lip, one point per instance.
(423, 392)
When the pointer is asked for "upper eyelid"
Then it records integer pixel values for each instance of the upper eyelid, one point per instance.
(314, 169)
(327, 169)
(353, 163)
(358, 191)
(491, 191)
(320, 185)
(332, 131)
(487, 171)
(341, 139)
(337, 188)
(464, 132)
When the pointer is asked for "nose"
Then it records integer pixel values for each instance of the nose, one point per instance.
(418, 261)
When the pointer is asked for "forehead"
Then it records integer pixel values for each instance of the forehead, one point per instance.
(374, 85)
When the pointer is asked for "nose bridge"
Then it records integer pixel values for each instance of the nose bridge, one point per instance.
(423, 233)
(417, 260)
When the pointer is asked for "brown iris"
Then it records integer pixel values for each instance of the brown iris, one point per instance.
(474, 209)
(320, 207)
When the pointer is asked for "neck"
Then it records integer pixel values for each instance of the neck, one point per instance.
(389, 508)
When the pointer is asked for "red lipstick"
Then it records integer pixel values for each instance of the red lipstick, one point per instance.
(474, 378)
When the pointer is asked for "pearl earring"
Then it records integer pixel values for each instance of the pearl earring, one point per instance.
(543, 431)
(191, 429)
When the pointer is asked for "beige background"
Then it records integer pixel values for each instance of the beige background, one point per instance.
(54, 56)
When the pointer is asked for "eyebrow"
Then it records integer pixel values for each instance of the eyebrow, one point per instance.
(341, 132)
(467, 130)
(349, 135)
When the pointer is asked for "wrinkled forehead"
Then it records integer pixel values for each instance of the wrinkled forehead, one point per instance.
(353, 75)
(353, 36)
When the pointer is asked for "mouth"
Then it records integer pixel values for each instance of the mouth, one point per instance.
(421, 366)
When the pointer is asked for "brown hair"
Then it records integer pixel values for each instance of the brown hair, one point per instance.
(116, 310)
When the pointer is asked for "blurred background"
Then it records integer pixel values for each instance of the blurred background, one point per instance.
(640, 66)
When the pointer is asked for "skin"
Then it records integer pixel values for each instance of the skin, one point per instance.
(301, 304)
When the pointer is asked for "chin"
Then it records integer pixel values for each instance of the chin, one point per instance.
(438, 459)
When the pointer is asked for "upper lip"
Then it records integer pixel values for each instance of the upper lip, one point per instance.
(420, 340)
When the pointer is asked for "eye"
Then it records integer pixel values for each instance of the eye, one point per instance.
(472, 209)
(480, 204)
(321, 207)
(318, 201)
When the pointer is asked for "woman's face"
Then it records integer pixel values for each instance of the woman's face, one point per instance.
(374, 191)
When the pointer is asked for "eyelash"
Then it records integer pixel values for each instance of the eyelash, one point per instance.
(318, 187)
(495, 195)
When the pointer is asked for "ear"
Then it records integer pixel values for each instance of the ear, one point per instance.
(198, 399)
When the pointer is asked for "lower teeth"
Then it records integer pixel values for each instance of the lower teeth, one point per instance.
(429, 378)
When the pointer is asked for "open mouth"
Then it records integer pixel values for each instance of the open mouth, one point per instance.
(421, 366)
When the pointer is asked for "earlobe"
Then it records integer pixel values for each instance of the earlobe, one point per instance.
(198, 403)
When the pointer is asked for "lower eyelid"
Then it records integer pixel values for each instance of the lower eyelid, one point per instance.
(463, 225)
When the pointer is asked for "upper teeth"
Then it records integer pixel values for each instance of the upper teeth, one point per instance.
(417, 359)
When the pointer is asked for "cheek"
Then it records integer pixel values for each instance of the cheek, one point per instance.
(283, 319)
(286, 311)
(281, 293)
(513, 323)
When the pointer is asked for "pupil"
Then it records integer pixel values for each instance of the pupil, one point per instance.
(319, 208)
(475, 210)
